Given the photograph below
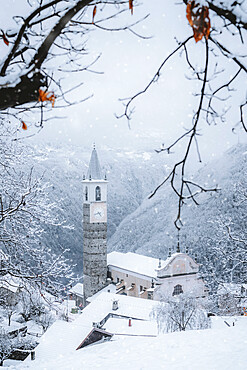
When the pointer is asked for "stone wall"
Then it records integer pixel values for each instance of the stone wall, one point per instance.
(94, 254)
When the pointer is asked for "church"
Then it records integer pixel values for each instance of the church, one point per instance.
(128, 274)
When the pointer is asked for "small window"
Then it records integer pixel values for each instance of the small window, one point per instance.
(150, 295)
(141, 288)
(97, 193)
(127, 275)
(117, 280)
(86, 194)
(177, 290)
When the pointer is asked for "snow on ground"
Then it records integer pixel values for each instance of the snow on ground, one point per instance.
(211, 349)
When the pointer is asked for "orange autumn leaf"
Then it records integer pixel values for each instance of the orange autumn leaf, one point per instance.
(5, 40)
(47, 96)
(131, 6)
(24, 126)
(198, 17)
(94, 13)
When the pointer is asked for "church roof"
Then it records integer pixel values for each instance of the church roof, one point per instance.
(140, 264)
(94, 170)
(135, 262)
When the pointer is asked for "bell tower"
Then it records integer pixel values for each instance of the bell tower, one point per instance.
(94, 228)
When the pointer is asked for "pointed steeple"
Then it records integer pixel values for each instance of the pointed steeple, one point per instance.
(94, 170)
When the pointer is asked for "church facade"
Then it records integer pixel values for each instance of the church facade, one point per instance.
(130, 273)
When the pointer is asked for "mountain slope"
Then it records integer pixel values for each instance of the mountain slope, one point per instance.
(150, 229)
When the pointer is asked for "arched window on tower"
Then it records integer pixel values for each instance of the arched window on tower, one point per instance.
(86, 193)
(97, 193)
(177, 290)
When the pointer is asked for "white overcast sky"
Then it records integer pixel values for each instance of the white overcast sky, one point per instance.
(128, 64)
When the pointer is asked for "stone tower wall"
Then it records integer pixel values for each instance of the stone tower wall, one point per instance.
(94, 254)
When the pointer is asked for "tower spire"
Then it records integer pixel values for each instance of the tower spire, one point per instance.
(94, 169)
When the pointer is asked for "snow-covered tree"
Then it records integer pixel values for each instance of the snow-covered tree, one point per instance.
(222, 249)
(24, 209)
(6, 346)
(45, 319)
(180, 313)
(9, 302)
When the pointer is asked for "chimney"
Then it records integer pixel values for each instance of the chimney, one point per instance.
(115, 305)
(159, 266)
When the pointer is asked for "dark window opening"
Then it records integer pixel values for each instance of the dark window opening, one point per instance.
(177, 290)
(86, 194)
(97, 193)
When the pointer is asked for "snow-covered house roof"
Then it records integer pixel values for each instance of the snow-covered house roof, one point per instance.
(111, 288)
(178, 263)
(94, 170)
(77, 290)
(62, 338)
(13, 328)
(126, 326)
(10, 283)
(134, 262)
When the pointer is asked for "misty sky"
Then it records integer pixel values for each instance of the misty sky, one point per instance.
(128, 63)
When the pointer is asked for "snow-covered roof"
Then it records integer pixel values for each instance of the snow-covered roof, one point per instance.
(14, 326)
(94, 170)
(77, 289)
(62, 338)
(126, 326)
(140, 264)
(111, 288)
(10, 283)
(137, 263)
